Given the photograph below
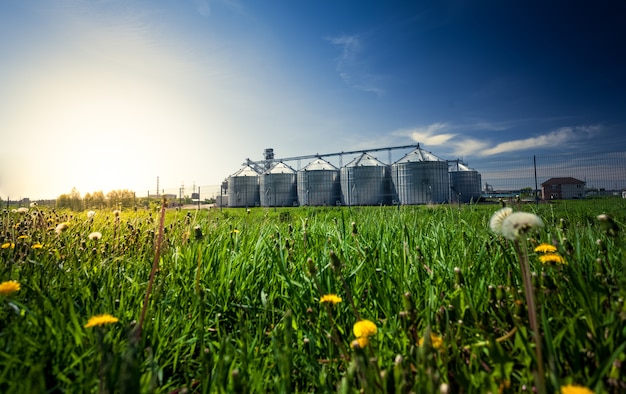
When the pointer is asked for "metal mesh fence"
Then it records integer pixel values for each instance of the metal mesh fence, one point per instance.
(602, 174)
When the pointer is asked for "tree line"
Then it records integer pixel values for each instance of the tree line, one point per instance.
(121, 198)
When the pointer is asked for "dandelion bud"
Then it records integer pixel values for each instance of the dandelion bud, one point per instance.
(608, 225)
(492, 294)
(197, 233)
(398, 360)
(311, 266)
(460, 280)
(334, 261)
(354, 230)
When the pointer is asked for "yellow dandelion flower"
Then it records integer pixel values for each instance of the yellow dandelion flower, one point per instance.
(100, 320)
(9, 287)
(235, 231)
(574, 389)
(8, 245)
(552, 258)
(364, 328)
(22, 237)
(545, 248)
(435, 340)
(360, 343)
(332, 298)
(37, 246)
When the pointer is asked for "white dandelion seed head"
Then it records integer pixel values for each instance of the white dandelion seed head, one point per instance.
(33, 204)
(91, 214)
(96, 235)
(22, 210)
(515, 225)
(495, 224)
(60, 228)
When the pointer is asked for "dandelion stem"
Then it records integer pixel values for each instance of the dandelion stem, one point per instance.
(155, 265)
(522, 252)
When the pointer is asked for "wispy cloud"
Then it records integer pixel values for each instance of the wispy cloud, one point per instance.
(552, 139)
(433, 134)
(350, 66)
(443, 135)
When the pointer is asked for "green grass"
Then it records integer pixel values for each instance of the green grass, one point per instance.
(237, 309)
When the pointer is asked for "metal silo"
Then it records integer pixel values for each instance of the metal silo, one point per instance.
(365, 181)
(465, 183)
(420, 178)
(278, 187)
(318, 183)
(243, 188)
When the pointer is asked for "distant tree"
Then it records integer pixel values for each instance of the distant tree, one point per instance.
(71, 201)
(121, 198)
(88, 201)
(63, 201)
(98, 199)
(526, 191)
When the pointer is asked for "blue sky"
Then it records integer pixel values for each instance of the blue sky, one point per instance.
(103, 95)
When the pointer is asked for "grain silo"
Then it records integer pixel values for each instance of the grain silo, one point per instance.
(243, 188)
(420, 178)
(365, 181)
(465, 183)
(318, 183)
(277, 187)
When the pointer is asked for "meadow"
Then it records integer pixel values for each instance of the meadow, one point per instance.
(422, 299)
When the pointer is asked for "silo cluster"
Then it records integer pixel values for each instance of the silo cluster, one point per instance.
(419, 177)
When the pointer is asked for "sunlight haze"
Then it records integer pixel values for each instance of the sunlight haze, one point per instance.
(113, 94)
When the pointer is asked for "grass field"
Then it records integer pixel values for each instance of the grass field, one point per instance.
(231, 300)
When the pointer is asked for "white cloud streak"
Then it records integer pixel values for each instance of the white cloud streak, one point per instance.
(439, 134)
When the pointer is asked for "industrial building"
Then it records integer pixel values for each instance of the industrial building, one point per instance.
(419, 177)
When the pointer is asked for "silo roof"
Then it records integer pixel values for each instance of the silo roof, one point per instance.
(280, 168)
(319, 164)
(457, 166)
(366, 160)
(246, 171)
(417, 155)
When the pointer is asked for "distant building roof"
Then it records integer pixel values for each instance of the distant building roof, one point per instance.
(563, 181)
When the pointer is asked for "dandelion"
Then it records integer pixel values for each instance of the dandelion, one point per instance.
(33, 204)
(22, 237)
(330, 298)
(37, 246)
(8, 245)
(101, 320)
(435, 340)
(552, 258)
(95, 236)
(61, 227)
(9, 287)
(235, 231)
(364, 328)
(22, 210)
(517, 224)
(575, 389)
(545, 248)
(513, 226)
(495, 224)
(91, 214)
(117, 213)
(360, 343)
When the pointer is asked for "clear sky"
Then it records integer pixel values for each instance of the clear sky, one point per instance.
(111, 94)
